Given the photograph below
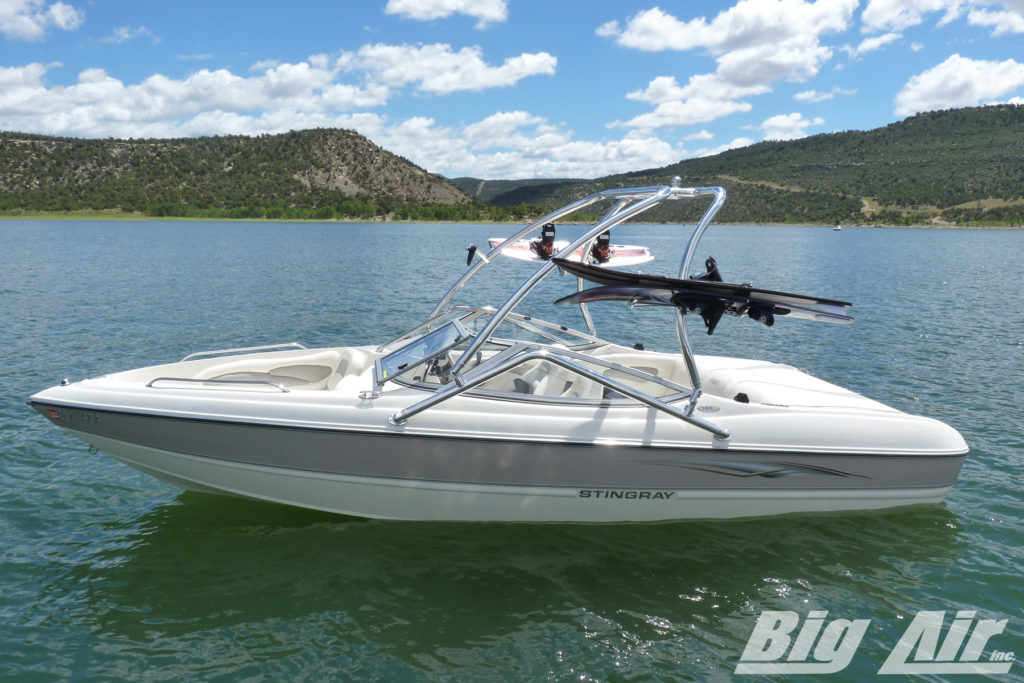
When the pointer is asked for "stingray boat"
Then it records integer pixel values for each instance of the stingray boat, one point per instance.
(487, 414)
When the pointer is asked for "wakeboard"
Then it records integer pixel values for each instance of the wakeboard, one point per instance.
(619, 254)
(708, 297)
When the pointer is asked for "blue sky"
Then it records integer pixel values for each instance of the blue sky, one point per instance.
(504, 88)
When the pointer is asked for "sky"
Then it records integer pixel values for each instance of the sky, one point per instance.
(504, 88)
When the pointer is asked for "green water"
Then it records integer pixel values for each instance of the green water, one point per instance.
(106, 574)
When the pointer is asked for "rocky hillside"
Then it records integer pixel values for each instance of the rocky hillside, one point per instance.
(313, 173)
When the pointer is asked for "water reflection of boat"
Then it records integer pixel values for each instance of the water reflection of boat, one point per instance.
(487, 414)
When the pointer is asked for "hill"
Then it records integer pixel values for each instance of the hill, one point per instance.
(963, 166)
(508, 192)
(307, 174)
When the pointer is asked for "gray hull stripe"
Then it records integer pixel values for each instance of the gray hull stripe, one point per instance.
(510, 463)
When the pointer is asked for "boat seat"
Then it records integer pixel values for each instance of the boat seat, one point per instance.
(541, 378)
(781, 385)
(651, 388)
(532, 381)
(294, 371)
(288, 376)
(547, 379)
(670, 367)
(354, 361)
(582, 387)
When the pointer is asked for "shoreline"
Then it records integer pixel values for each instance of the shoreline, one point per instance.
(100, 215)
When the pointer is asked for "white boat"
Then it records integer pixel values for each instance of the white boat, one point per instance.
(489, 415)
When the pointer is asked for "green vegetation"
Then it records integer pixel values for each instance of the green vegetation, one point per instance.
(316, 174)
(507, 192)
(961, 166)
(956, 167)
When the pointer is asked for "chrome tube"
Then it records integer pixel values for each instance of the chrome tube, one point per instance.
(691, 362)
(684, 267)
(247, 349)
(478, 378)
(656, 196)
(705, 220)
(537, 322)
(619, 205)
(228, 383)
(625, 193)
(583, 309)
(624, 369)
(475, 268)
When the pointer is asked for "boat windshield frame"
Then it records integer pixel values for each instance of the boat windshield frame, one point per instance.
(422, 350)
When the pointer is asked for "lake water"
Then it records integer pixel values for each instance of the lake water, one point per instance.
(106, 574)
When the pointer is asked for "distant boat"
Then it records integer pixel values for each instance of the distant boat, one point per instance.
(837, 227)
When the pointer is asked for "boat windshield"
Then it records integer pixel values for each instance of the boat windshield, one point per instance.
(435, 323)
(513, 328)
(436, 343)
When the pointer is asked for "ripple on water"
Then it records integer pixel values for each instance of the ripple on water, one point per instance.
(108, 574)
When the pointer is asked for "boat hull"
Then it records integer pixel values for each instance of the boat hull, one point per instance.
(421, 477)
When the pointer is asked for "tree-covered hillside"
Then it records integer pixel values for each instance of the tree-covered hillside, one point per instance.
(963, 166)
(306, 174)
(506, 192)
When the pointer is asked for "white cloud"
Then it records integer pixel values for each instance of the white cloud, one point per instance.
(518, 144)
(123, 34)
(959, 82)
(608, 30)
(815, 96)
(749, 23)
(666, 89)
(277, 97)
(99, 105)
(704, 98)
(755, 43)
(30, 76)
(439, 70)
(661, 89)
(788, 126)
(872, 44)
(897, 15)
(487, 11)
(702, 135)
(1000, 22)
(64, 16)
(30, 19)
(688, 112)
(762, 64)
(653, 30)
(737, 143)
(500, 126)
